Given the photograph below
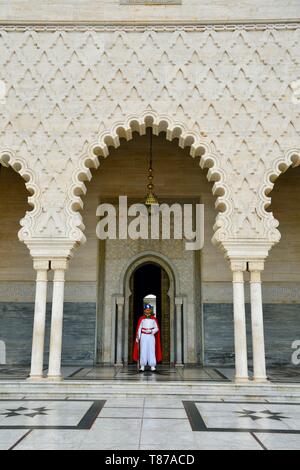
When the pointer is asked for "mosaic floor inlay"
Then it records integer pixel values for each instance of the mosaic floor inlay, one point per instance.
(148, 423)
(53, 414)
(163, 374)
(244, 417)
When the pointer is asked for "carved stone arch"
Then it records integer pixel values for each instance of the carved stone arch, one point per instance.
(150, 257)
(280, 165)
(199, 148)
(8, 158)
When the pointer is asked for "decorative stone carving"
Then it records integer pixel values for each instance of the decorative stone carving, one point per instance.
(226, 91)
(173, 129)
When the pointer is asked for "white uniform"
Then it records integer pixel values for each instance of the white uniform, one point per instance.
(147, 342)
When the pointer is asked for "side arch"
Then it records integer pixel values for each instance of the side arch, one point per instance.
(280, 165)
(199, 148)
(8, 158)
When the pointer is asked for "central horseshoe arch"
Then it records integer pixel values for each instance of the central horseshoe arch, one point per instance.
(158, 259)
(199, 148)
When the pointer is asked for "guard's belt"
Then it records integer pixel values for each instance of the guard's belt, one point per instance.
(147, 331)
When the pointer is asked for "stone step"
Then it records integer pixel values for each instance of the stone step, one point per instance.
(101, 389)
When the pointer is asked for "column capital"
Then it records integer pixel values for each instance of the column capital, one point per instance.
(120, 300)
(256, 266)
(51, 248)
(59, 264)
(238, 266)
(179, 301)
(248, 249)
(40, 264)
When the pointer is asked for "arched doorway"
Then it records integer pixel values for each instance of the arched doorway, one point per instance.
(149, 270)
(150, 283)
(124, 174)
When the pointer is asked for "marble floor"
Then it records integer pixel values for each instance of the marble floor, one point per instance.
(288, 375)
(151, 422)
(148, 423)
(163, 374)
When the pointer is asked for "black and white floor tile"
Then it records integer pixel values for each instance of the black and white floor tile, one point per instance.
(13, 372)
(148, 423)
(244, 417)
(56, 414)
(163, 374)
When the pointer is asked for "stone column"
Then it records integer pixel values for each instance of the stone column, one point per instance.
(240, 333)
(258, 339)
(178, 306)
(59, 267)
(37, 357)
(120, 321)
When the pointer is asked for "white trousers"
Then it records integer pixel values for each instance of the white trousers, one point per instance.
(147, 350)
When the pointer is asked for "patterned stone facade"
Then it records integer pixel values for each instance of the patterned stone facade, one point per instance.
(227, 92)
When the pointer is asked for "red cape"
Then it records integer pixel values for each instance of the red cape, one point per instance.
(158, 351)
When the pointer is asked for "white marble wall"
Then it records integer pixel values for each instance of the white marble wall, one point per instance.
(2, 353)
(111, 10)
(230, 92)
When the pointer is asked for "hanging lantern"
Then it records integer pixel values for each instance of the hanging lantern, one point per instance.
(151, 198)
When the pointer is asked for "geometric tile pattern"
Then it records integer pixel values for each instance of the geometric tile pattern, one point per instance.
(150, 423)
(162, 374)
(258, 415)
(21, 411)
(234, 87)
(245, 416)
(53, 414)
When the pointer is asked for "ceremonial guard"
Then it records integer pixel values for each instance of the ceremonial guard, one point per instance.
(147, 348)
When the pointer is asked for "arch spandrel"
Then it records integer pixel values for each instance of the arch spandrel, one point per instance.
(231, 88)
(198, 149)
